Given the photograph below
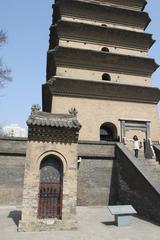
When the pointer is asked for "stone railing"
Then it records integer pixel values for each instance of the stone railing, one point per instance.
(136, 186)
(157, 152)
(148, 149)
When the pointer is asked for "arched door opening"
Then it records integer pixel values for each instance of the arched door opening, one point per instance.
(108, 132)
(105, 49)
(106, 77)
(50, 189)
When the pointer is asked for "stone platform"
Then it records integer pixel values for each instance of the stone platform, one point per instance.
(94, 223)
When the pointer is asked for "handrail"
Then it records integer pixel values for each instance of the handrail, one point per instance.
(157, 151)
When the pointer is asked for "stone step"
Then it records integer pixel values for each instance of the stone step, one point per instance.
(155, 171)
(155, 167)
(152, 167)
(156, 176)
(148, 159)
(150, 162)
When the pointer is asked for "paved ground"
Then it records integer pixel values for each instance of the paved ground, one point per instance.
(94, 224)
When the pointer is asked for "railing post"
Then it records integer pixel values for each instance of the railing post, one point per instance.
(148, 149)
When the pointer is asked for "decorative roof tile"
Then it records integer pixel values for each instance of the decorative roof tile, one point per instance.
(53, 120)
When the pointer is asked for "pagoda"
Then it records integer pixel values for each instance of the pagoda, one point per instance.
(98, 63)
(98, 93)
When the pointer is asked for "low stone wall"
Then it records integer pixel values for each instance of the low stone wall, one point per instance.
(135, 186)
(13, 146)
(12, 158)
(96, 173)
(96, 149)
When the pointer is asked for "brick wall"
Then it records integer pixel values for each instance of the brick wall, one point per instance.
(96, 174)
(12, 158)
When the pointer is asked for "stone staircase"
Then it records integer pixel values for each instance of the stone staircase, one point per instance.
(152, 167)
(139, 182)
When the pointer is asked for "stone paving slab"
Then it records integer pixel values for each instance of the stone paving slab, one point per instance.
(94, 223)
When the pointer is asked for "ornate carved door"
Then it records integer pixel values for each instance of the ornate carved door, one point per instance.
(50, 189)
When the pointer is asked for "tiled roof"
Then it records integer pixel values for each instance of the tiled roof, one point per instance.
(53, 120)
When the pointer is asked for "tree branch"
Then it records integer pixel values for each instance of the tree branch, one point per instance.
(2, 37)
(4, 76)
(4, 71)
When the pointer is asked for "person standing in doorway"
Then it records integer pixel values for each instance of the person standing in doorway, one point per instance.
(136, 145)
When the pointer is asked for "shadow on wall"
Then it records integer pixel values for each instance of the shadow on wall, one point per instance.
(16, 216)
(113, 195)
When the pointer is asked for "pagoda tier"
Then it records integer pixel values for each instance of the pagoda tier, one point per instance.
(105, 36)
(137, 5)
(98, 61)
(99, 14)
(58, 86)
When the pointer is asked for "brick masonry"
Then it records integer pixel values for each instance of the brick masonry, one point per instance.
(96, 182)
(100, 182)
(12, 160)
(56, 139)
(95, 173)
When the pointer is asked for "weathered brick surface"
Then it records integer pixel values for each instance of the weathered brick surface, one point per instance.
(96, 149)
(37, 151)
(96, 173)
(12, 160)
(94, 181)
(15, 146)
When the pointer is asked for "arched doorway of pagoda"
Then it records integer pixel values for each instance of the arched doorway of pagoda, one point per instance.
(50, 188)
(108, 132)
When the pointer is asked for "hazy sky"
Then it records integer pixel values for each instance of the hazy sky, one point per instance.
(27, 26)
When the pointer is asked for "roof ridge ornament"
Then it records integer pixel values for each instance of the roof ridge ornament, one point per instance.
(35, 108)
(51, 81)
(73, 112)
